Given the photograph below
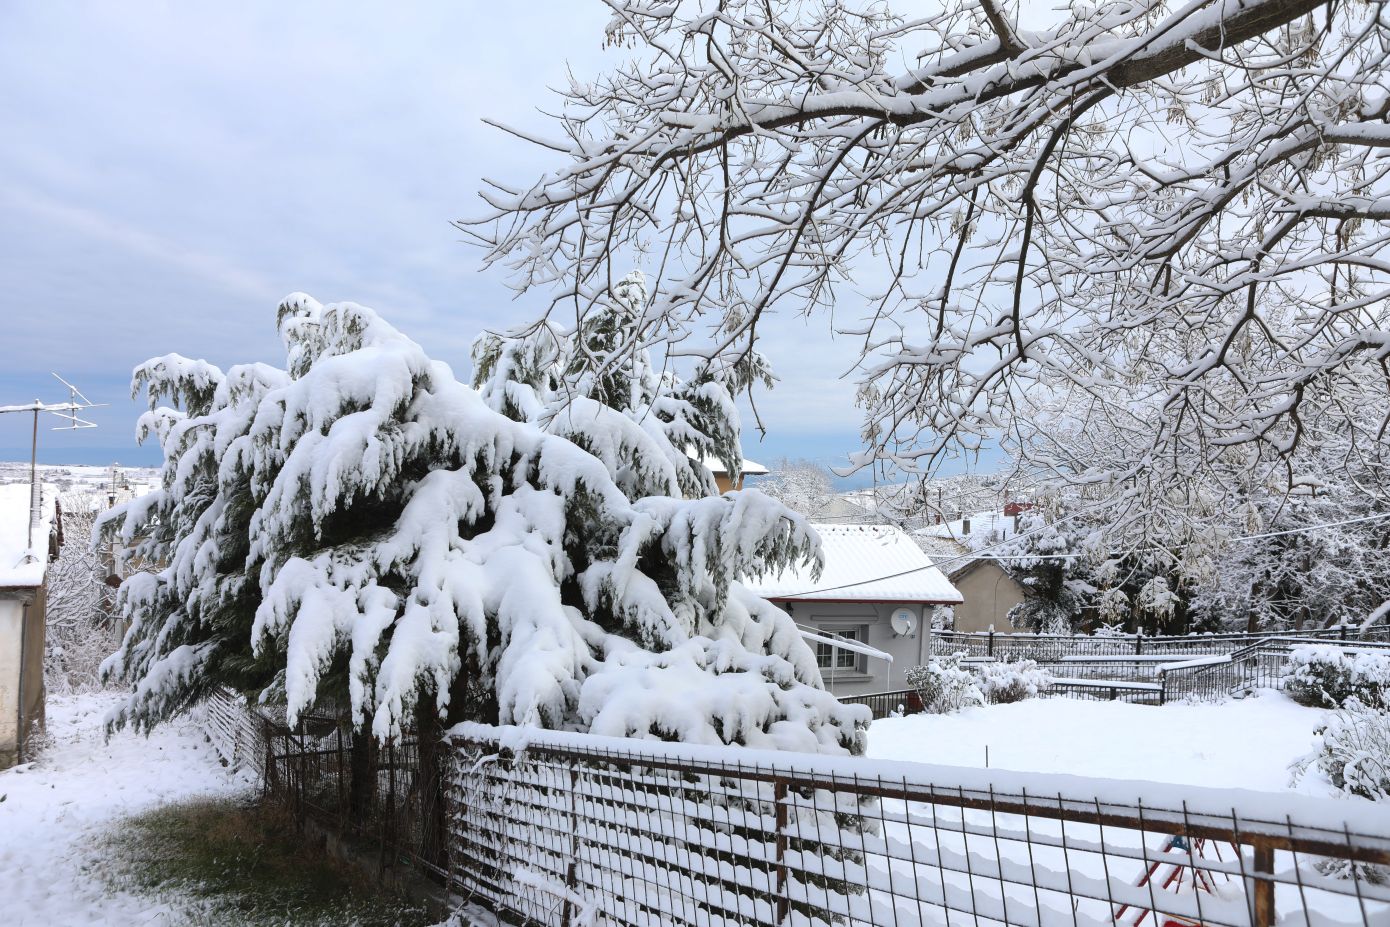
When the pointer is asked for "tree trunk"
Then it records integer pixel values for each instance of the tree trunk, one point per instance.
(362, 787)
(432, 754)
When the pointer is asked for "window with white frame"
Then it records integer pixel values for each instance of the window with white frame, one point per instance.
(842, 659)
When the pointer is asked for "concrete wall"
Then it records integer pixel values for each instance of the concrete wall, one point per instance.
(989, 593)
(21, 646)
(877, 675)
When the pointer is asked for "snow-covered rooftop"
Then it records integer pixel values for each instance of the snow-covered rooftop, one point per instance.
(750, 467)
(864, 563)
(20, 566)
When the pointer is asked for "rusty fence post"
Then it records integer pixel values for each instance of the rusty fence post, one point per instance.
(572, 869)
(1262, 889)
(779, 798)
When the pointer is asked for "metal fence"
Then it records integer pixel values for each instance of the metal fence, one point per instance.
(378, 798)
(1149, 679)
(566, 829)
(235, 730)
(1046, 648)
(375, 795)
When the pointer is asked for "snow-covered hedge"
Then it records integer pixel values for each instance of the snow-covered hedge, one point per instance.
(1002, 683)
(944, 685)
(1326, 676)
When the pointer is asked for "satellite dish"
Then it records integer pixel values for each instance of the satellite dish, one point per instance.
(904, 621)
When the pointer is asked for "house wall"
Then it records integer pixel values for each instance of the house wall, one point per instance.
(725, 484)
(21, 645)
(989, 593)
(878, 675)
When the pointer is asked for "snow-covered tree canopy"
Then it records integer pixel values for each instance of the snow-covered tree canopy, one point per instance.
(362, 527)
(596, 385)
(1183, 204)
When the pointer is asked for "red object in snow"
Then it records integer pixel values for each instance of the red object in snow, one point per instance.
(1013, 508)
(1175, 877)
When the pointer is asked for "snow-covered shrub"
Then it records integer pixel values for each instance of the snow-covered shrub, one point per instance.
(1326, 676)
(1003, 683)
(944, 685)
(1354, 751)
(361, 527)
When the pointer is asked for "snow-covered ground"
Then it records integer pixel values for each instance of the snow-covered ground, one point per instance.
(1247, 743)
(54, 811)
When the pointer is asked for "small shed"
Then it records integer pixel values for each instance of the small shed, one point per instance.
(721, 472)
(877, 593)
(29, 539)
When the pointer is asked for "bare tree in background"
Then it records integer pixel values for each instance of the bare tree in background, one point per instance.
(801, 485)
(80, 632)
(1184, 208)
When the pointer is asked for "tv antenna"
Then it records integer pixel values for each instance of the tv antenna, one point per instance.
(68, 412)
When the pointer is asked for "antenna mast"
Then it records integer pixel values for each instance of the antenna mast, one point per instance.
(64, 410)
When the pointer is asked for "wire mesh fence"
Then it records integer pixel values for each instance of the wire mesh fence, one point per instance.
(562, 829)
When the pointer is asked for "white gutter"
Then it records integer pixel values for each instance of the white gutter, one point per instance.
(844, 644)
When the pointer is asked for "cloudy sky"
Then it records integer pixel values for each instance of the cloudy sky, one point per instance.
(168, 171)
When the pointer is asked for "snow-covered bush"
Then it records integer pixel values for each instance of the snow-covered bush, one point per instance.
(360, 526)
(1326, 676)
(1354, 751)
(1003, 683)
(944, 685)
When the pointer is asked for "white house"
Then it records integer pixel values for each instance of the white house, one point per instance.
(26, 547)
(876, 594)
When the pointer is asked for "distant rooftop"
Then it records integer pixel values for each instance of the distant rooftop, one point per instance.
(864, 563)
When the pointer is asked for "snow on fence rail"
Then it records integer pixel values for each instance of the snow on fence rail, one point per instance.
(566, 829)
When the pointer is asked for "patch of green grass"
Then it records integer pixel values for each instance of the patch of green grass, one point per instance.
(230, 862)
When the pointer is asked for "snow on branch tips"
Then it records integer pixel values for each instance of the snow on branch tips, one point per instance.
(1181, 205)
(361, 530)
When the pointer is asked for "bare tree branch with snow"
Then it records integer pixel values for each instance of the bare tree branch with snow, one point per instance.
(1183, 205)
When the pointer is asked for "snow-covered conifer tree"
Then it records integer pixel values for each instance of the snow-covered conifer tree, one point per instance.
(361, 526)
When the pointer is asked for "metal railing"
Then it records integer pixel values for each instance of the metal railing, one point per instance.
(1262, 664)
(1108, 690)
(374, 795)
(1046, 648)
(377, 797)
(887, 704)
(566, 829)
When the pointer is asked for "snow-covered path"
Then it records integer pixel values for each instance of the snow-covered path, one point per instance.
(54, 811)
